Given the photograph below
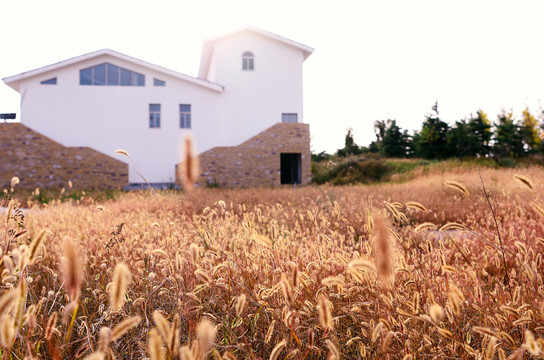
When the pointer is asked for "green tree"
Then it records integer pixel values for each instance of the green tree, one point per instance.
(432, 140)
(471, 138)
(395, 142)
(350, 147)
(529, 131)
(508, 141)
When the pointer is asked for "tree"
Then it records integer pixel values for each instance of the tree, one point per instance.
(508, 141)
(529, 131)
(350, 147)
(471, 138)
(395, 142)
(432, 140)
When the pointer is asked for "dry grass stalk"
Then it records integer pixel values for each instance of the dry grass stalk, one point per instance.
(175, 330)
(121, 280)
(104, 338)
(124, 326)
(240, 304)
(457, 186)
(163, 326)
(155, 347)
(14, 181)
(274, 355)
(205, 335)
(523, 180)
(73, 277)
(269, 332)
(334, 354)
(425, 226)
(530, 343)
(325, 316)
(35, 245)
(416, 205)
(189, 166)
(97, 355)
(436, 313)
(383, 252)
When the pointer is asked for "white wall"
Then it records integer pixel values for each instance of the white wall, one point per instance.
(254, 100)
(107, 118)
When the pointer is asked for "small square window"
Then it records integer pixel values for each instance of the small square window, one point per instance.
(289, 118)
(157, 82)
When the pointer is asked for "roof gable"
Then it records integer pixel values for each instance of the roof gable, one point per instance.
(207, 49)
(14, 81)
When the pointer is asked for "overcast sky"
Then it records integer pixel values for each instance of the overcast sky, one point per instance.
(373, 59)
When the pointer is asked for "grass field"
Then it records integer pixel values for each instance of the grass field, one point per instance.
(431, 268)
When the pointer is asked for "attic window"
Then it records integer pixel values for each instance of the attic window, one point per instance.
(157, 82)
(52, 81)
(110, 75)
(248, 61)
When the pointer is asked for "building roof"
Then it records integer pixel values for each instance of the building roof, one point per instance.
(207, 49)
(14, 81)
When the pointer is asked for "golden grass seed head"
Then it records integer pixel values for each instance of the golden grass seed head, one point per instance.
(457, 186)
(530, 343)
(334, 354)
(240, 304)
(35, 245)
(416, 205)
(51, 325)
(124, 326)
(14, 181)
(73, 276)
(523, 180)
(155, 346)
(163, 326)
(425, 226)
(206, 332)
(175, 331)
(97, 355)
(8, 301)
(325, 316)
(104, 338)
(274, 355)
(121, 280)
(436, 313)
(490, 348)
(7, 331)
(122, 152)
(269, 332)
(188, 171)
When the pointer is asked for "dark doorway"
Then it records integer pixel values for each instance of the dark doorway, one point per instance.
(291, 170)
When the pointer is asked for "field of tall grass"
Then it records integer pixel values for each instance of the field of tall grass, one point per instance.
(448, 266)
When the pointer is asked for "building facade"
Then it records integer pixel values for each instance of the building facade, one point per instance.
(249, 81)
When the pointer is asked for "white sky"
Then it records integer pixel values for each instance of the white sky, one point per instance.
(373, 59)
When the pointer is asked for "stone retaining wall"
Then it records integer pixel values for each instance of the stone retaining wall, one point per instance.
(39, 162)
(256, 162)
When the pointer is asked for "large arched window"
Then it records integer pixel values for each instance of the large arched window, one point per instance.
(248, 61)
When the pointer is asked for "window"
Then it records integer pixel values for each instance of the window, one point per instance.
(52, 81)
(110, 75)
(157, 82)
(155, 115)
(289, 118)
(248, 61)
(185, 116)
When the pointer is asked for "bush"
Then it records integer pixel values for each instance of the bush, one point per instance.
(354, 171)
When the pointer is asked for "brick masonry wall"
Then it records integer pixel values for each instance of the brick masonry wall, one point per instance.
(256, 162)
(39, 162)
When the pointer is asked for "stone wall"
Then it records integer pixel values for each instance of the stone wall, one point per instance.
(39, 162)
(256, 162)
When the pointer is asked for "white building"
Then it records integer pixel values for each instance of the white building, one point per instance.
(249, 80)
